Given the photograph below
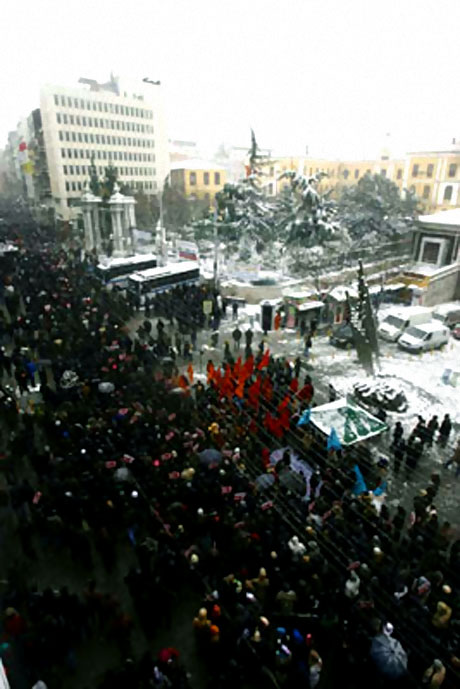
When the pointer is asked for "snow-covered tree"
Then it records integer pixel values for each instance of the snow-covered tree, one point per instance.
(307, 222)
(374, 211)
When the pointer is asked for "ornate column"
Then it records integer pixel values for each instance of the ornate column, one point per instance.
(116, 204)
(87, 201)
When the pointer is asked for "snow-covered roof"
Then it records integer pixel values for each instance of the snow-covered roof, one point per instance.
(126, 261)
(308, 305)
(450, 218)
(305, 294)
(339, 293)
(196, 164)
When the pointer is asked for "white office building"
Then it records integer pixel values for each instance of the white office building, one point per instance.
(120, 122)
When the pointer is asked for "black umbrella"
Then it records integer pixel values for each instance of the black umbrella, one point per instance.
(293, 481)
(210, 456)
(389, 656)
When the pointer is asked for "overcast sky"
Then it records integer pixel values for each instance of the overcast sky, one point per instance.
(336, 75)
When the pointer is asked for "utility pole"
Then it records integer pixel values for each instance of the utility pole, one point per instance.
(216, 250)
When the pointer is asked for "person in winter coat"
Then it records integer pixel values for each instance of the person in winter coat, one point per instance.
(432, 427)
(398, 432)
(444, 430)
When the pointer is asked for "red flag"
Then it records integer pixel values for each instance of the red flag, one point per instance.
(237, 369)
(294, 385)
(284, 419)
(282, 406)
(239, 390)
(183, 382)
(265, 360)
(211, 372)
(249, 366)
(267, 390)
(190, 372)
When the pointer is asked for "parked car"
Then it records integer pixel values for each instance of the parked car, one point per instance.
(399, 320)
(424, 337)
(448, 314)
(456, 331)
(342, 336)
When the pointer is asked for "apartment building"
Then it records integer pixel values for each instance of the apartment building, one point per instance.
(198, 179)
(120, 122)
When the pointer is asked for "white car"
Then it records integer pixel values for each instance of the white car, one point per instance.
(421, 338)
(396, 322)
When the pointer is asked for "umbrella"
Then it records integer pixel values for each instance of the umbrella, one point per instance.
(389, 656)
(210, 456)
(106, 387)
(264, 481)
(294, 481)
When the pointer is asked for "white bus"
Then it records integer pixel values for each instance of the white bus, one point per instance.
(163, 278)
(116, 271)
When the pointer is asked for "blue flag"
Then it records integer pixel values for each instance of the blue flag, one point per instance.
(305, 418)
(333, 442)
(381, 489)
(360, 484)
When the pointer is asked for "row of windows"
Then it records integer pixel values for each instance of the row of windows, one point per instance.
(85, 169)
(67, 101)
(452, 172)
(103, 123)
(106, 155)
(78, 186)
(83, 137)
(427, 191)
(192, 178)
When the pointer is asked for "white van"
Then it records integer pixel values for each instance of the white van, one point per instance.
(421, 338)
(397, 321)
(447, 314)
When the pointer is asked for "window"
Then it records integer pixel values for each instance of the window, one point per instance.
(399, 174)
(448, 193)
(58, 118)
(74, 186)
(217, 178)
(71, 119)
(426, 191)
(91, 138)
(430, 252)
(82, 104)
(60, 136)
(80, 137)
(67, 136)
(383, 172)
(70, 169)
(64, 118)
(356, 174)
(452, 170)
(69, 153)
(63, 152)
(74, 136)
(67, 186)
(415, 170)
(429, 170)
(75, 102)
(64, 169)
(69, 102)
(77, 169)
(193, 178)
(345, 174)
(56, 100)
(86, 138)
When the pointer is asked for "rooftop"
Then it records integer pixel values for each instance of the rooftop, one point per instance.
(451, 217)
(196, 164)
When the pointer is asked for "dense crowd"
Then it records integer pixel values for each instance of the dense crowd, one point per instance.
(297, 582)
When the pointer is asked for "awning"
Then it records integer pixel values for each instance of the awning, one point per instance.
(309, 305)
(351, 422)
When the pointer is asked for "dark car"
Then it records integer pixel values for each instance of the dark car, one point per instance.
(456, 331)
(342, 336)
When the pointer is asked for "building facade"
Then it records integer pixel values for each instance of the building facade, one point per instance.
(433, 176)
(198, 180)
(120, 122)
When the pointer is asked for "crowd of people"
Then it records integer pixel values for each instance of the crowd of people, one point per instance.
(297, 582)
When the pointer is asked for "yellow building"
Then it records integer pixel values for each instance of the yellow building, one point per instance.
(433, 175)
(198, 179)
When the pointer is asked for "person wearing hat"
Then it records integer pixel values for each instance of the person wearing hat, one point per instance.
(434, 676)
(441, 617)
